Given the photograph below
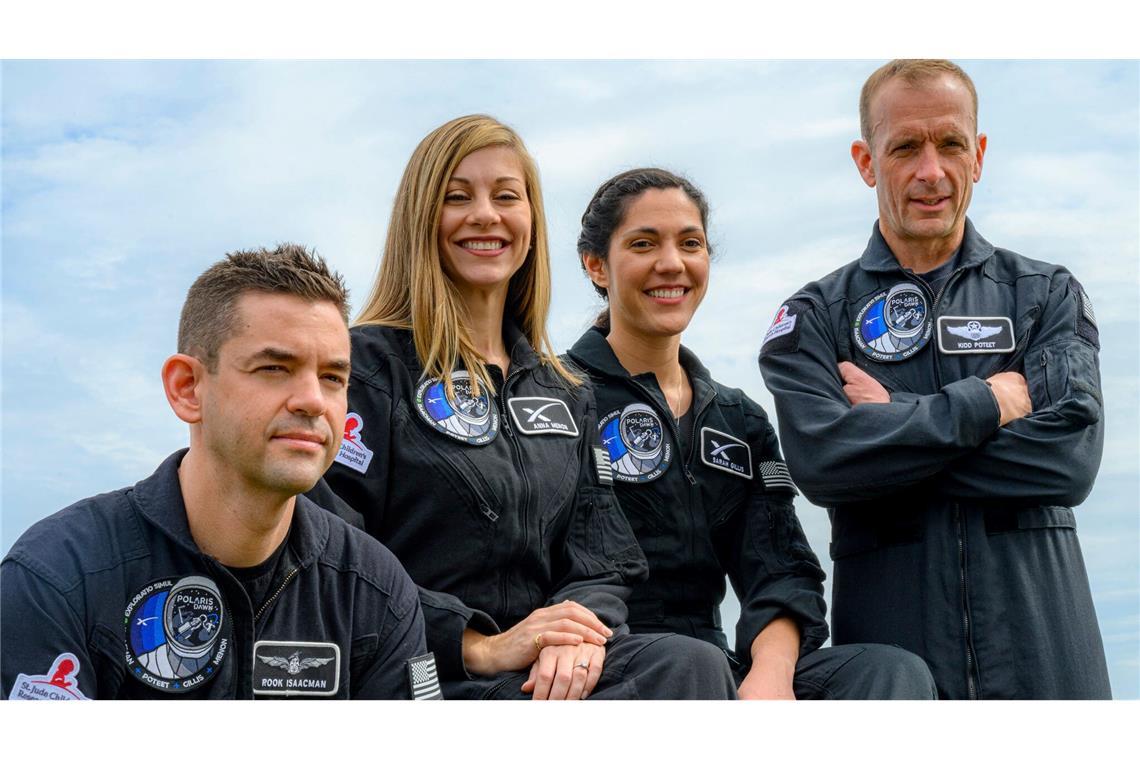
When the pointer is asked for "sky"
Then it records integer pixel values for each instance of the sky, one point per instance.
(122, 181)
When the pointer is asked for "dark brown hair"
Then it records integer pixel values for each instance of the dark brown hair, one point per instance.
(210, 311)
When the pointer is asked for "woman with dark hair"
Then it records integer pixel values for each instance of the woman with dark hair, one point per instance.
(467, 446)
(697, 467)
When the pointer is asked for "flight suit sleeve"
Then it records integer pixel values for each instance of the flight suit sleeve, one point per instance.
(360, 477)
(1050, 456)
(45, 648)
(840, 454)
(402, 639)
(769, 562)
(600, 558)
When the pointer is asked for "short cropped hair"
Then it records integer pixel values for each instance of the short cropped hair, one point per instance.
(913, 71)
(210, 312)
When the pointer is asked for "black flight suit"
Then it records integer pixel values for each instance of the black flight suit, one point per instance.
(495, 507)
(721, 503)
(952, 537)
(118, 579)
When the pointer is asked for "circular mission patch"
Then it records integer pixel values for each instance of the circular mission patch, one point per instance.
(895, 324)
(177, 633)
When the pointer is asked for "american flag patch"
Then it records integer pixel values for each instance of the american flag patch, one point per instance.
(1086, 307)
(776, 475)
(422, 677)
(605, 468)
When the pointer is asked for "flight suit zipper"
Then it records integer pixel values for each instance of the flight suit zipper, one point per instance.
(273, 597)
(971, 662)
(673, 426)
(519, 549)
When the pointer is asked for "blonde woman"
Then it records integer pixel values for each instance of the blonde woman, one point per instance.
(468, 446)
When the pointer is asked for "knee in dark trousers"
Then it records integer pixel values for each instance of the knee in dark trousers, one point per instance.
(670, 666)
(863, 671)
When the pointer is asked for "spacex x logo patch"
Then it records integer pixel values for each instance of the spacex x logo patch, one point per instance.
(542, 416)
(724, 452)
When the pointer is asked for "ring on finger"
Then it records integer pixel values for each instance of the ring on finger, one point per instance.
(538, 642)
(585, 665)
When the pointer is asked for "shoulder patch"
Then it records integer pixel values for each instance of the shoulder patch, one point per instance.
(603, 465)
(1086, 318)
(296, 668)
(534, 415)
(725, 452)
(423, 680)
(635, 439)
(353, 453)
(60, 683)
(776, 476)
(783, 335)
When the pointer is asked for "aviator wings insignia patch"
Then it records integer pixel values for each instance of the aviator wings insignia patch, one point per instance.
(296, 668)
(975, 335)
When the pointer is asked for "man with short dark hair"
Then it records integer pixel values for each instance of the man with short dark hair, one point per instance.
(212, 578)
(942, 398)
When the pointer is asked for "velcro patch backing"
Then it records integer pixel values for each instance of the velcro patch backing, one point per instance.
(1086, 318)
(783, 335)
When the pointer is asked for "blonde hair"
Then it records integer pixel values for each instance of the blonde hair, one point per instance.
(412, 290)
(913, 71)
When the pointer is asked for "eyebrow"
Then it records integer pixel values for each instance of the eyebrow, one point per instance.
(654, 231)
(465, 181)
(274, 354)
(281, 355)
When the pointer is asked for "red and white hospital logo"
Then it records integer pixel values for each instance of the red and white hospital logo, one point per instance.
(61, 682)
(781, 325)
(353, 453)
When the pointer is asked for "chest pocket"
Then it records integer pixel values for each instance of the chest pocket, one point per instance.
(449, 461)
(653, 524)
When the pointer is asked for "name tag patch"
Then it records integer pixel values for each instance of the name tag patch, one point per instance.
(60, 683)
(975, 335)
(353, 453)
(296, 668)
(724, 452)
(534, 415)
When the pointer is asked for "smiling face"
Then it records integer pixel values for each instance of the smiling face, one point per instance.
(485, 223)
(923, 161)
(273, 411)
(656, 270)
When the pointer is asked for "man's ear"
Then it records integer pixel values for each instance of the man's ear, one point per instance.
(861, 154)
(596, 268)
(182, 376)
(979, 155)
